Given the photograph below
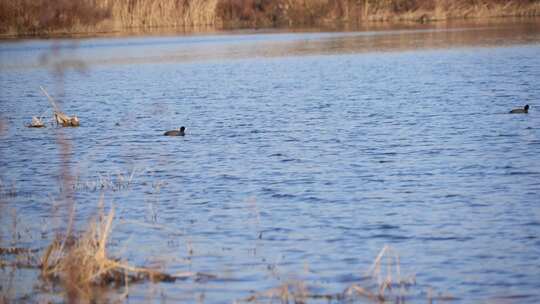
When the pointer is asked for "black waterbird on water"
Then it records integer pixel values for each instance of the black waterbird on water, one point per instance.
(525, 110)
(177, 132)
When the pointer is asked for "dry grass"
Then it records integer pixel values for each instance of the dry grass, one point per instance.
(65, 120)
(252, 13)
(384, 283)
(81, 264)
(161, 13)
(41, 17)
(439, 10)
(36, 122)
(114, 182)
(60, 117)
(290, 292)
(390, 285)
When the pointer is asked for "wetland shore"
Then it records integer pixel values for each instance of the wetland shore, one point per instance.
(82, 18)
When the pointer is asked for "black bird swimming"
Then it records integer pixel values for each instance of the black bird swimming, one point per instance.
(525, 110)
(177, 132)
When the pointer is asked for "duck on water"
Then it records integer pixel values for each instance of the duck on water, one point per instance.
(177, 132)
(525, 110)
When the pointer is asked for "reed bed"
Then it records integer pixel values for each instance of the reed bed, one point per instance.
(161, 13)
(42, 17)
(319, 12)
(81, 265)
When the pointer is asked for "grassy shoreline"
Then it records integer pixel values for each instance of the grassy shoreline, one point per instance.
(86, 18)
(328, 27)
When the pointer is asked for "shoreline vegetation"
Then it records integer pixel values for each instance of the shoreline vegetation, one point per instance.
(42, 18)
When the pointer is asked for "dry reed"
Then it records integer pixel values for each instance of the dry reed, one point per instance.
(115, 182)
(36, 122)
(39, 17)
(42, 16)
(60, 117)
(383, 283)
(269, 13)
(81, 264)
(387, 277)
(290, 292)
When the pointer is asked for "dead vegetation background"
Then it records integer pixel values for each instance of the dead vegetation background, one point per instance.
(42, 17)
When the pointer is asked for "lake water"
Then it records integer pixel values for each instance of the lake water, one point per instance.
(305, 154)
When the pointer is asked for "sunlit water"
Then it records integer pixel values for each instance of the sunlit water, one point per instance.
(305, 154)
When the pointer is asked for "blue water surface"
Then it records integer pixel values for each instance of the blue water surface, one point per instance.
(305, 154)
